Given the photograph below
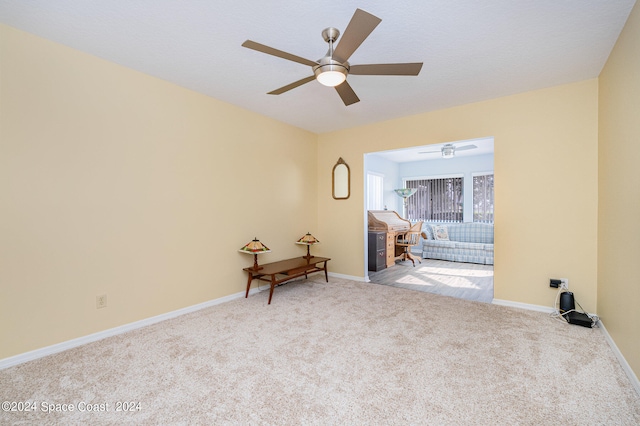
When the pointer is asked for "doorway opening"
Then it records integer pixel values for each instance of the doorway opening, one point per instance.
(451, 186)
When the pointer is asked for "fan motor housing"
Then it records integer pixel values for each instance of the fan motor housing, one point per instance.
(329, 64)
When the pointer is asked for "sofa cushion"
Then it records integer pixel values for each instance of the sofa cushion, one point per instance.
(468, 246)
(472, 232)
(440, 244)
(440, 233)
(428, 231)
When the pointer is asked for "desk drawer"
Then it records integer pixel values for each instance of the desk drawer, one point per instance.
(377, 253)
(391, 249)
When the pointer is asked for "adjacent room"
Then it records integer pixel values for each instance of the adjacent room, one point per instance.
(187, 192)
(449, 186)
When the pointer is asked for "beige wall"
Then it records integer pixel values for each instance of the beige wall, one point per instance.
(545, 186)
(619, 193)
(113, 182)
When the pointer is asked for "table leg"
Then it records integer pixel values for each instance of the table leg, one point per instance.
(248, 285)
(273, 284)
(326, 274)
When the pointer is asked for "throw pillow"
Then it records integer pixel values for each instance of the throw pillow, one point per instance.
(428, 232)
(440, 232)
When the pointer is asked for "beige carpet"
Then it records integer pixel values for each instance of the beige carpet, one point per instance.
(338, 353)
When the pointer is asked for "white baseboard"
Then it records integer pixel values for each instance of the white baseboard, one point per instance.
(73, 343)
(623, 362)
(621, 359)
(330, 274)
(69, 344)
(520, 305)
(348, 277)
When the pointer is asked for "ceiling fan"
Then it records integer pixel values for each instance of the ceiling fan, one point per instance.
(333, 68)
(449, 150)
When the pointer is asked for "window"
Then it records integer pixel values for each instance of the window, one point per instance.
(437, 200)
(375, 191)
(483, 198)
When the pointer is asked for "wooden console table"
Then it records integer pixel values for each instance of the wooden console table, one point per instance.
(290, 268)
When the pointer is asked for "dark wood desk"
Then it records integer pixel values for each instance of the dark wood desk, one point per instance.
(290, 269)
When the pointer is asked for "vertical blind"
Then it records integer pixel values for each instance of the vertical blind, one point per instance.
(375, 188)
(435, 200)
(483, 198)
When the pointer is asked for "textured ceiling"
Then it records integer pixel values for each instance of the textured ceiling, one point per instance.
(472, 50)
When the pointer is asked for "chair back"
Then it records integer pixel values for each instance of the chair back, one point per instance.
(412, 236)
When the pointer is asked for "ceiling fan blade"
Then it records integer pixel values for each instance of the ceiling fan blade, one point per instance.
(292, 85)
(361, 25)
(347, 94)
(466, 147)
(279, 53)
(386, 69)
(430, 152)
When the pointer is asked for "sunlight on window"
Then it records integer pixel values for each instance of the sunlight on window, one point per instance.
(375, 191)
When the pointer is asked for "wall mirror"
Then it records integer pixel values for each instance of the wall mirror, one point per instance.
(341, 180)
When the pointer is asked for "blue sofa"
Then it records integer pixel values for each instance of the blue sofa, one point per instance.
(467, 242)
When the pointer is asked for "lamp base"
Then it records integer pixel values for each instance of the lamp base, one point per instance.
(308, 256)
(256, 267)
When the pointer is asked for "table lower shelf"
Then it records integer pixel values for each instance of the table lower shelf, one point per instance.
(289, 269)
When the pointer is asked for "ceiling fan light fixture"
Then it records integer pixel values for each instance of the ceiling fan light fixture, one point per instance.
(334, 72)
(330, 75)
(448, 151)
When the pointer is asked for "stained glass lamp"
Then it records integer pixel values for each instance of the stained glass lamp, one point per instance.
(308, 240)
(255, 247)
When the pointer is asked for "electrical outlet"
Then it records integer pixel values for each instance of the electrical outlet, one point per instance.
(101, 301)
(559, 283)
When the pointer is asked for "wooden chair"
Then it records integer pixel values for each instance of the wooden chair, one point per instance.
(409, 239)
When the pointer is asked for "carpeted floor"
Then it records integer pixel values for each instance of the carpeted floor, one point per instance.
(333, 354)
